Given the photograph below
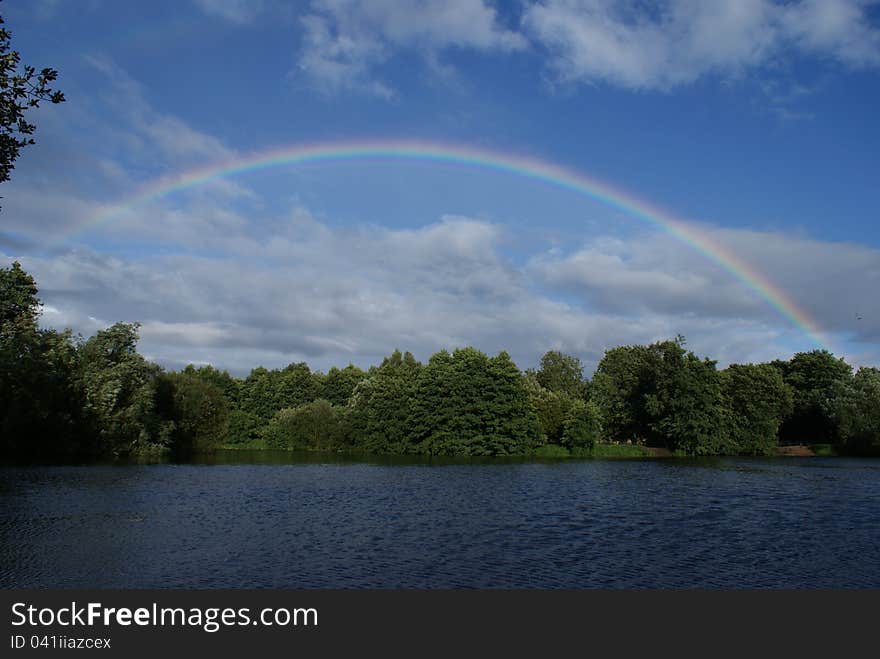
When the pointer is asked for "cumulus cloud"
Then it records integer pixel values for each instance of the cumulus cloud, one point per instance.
(832, 283)
(330, 295)
(345, 40)
(645, 274)
(335, 60)
(635, 45)
(679, 41)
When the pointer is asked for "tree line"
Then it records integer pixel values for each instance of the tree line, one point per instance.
(64, 397)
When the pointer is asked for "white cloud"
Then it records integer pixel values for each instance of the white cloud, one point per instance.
(346, 40)
(829, 282)
(679, 41)
(36, 212)
(637, 45)
(336, 61)
(649, 274)
(834, 27)
(332, 295)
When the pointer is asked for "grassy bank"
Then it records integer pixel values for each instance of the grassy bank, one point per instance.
(599, 451)
(546, 451)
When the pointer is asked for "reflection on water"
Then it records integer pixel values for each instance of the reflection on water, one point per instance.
(285, 457)
(280, 520)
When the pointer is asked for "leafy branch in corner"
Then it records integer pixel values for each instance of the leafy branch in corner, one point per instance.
(20, 90)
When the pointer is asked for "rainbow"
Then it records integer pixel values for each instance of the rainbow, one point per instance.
(526, 166)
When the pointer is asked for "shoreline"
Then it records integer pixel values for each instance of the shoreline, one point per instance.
(609, 452)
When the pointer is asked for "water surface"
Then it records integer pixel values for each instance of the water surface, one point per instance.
(278, 520)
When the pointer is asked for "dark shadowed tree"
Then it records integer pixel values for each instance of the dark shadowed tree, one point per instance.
(229, 386)
(200, 412)
(40, 405)
(816, 378)
(120, 393)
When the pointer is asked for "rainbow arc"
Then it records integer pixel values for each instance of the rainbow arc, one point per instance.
(519, 165)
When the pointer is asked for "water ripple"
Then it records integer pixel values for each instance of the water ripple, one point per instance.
(730, 523)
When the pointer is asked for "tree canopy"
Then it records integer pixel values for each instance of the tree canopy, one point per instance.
(817, 378)
(466, 403)
(63, 397)
(562, 374)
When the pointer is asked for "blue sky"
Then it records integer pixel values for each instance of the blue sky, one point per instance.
(754, 120)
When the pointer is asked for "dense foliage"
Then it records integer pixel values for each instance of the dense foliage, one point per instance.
(63, 397)
(467, 403)
(757, 401)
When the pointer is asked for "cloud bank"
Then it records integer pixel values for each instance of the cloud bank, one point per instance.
(679, 41)
(329, 295)
(639, 46)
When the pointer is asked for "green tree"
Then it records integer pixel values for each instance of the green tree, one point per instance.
(316, 426)
(380, 406)
(119, 391)
(229, 386)
(339, 384)
(258, 394)
(624, 377)
(857, 411)
(685, 402)
(297, 386)
(21, 88)
(756, 400)
(244, 427)
(661, 395)
(200, 412)
(264, 392)
(550, 409)
(816, 378)
(469, 404)
(40, 407)
(562, 374)
(19, 304)
(581, 427)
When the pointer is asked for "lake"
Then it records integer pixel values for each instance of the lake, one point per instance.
(281, 520)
